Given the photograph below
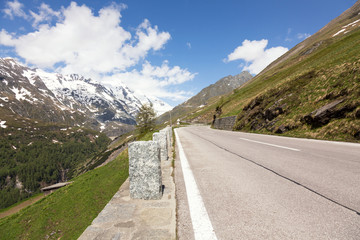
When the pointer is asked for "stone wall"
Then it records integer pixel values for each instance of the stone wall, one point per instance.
(226, 123)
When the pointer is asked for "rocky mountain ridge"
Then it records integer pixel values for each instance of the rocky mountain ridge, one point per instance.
(221, 87)
(68, 99)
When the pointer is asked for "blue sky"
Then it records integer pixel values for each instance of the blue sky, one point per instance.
(162, 48)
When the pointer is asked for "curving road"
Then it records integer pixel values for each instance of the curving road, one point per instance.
(266, 187)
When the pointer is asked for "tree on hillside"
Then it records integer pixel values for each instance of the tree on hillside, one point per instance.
(146, 118)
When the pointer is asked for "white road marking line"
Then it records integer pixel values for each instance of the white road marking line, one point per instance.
(200, 219)
(269, 144)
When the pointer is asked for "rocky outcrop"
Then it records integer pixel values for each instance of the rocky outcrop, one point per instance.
(257, 116)
(323, 115)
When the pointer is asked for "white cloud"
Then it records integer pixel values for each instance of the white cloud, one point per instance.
(154, 80)
(255, 55)
(6, 38)
(86, 43)
(98, 46)
(15, 8)
(303, 35)
(188, 44)
(46, 14)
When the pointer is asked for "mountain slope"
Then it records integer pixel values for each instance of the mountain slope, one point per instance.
(311, 91)
(68, 99)
(50, 123)
(206, 95)
(67, 212)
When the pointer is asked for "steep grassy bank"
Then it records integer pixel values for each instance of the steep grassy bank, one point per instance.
(314, 94)
(67, 212)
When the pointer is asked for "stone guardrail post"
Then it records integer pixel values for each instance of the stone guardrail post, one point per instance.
(161, 138)
(168, 132)
(145, 170)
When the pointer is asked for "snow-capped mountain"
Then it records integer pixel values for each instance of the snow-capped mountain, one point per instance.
(70, 99)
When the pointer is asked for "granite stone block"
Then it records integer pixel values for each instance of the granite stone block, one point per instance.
(161, 138)
(145, 170)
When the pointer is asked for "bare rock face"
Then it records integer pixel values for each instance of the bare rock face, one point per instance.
(323, 115)
(357, 114)
(145, 170)
(258, 116)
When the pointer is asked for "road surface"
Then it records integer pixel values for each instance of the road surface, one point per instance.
(266, 187)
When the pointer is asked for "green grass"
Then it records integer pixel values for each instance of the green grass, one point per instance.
(67, 212)
(304, 83)
(18, 203)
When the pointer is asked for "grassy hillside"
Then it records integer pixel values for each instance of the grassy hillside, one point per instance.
(67, 212)
(287, 97)
(35, 154)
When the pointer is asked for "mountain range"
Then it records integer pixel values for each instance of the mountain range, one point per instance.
(68, 99)
(206, 96)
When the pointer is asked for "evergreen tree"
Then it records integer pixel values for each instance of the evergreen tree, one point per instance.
(146, 118)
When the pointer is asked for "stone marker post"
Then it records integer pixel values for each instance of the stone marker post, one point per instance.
(168, 132)
(145, 170)
(161, 138)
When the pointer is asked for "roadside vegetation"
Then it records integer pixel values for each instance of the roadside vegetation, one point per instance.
(35, 155)
(68, 211)
(287, 99)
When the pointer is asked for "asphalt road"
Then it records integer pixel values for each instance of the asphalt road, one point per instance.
(268, 187)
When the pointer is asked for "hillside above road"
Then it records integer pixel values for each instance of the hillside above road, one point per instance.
(311, 91)
(206, 96)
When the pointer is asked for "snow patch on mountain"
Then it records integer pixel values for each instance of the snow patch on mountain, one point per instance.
(23, 94)
(66, 96)
(5, 99)
(345, 29)
(2, 124)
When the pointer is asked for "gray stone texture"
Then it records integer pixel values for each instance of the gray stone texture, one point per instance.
(145, 170)
(226, 123)
(161, 138)
(168, 131)
(127, 218)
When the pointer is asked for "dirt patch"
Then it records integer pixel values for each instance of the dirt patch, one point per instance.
(22, 205)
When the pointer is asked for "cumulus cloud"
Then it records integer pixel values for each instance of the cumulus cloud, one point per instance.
(6, 38)
(14, 9)
(255, 54)
(157, 80)
(97, 46)
(46, 14)
(85, 42)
